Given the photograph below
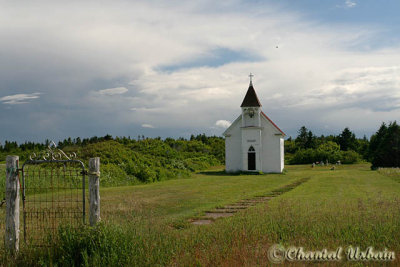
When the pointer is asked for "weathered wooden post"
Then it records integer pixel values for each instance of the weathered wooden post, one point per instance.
(94, 192)
(11, 237)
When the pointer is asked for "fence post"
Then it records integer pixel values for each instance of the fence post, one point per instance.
(11, 237)
(94, 192)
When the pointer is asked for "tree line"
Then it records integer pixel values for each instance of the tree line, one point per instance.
(382, 149)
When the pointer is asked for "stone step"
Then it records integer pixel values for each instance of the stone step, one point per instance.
(231, 209)
(255, 202)
(244, 203)
(261, 200)
(202, 222)
(221, 210)
(215, 215)
(236, 207)
(247, 203)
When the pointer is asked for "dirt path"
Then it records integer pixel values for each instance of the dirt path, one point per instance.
(231, 209)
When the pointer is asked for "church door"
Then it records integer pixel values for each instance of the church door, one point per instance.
(251, 159)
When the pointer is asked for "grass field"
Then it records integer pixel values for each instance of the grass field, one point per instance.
(148, 225)
(174, 201)
(349, 206)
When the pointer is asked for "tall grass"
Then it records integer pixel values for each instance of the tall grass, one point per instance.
(235, 241)
(349, 206)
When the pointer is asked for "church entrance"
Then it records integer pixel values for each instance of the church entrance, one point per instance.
(251, 159)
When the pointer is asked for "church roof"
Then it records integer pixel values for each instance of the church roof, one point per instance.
(251, 99)
(276, 126)
(239, 118)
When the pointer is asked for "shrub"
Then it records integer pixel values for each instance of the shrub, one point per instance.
(125, 161)
(348, 157)
(147, 175)
(328, 151)
(113, 175)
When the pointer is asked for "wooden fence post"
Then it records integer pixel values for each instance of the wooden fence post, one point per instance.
(94, 192)
(11, 237)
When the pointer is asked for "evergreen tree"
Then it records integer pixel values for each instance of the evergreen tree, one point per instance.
(385, 146)
(310, 143)
(347, 140)
(376, 141)
(302, 137)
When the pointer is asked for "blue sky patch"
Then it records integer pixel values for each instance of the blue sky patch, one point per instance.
(215, 58)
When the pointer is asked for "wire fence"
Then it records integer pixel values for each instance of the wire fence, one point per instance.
(2, 205)
(2, 217)
(53, 195)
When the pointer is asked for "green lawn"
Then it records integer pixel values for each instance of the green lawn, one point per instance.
(351, 205)
(177, 200)
(147, 225)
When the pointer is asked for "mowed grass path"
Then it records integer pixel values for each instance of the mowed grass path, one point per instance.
(349, 206)
(175, 201)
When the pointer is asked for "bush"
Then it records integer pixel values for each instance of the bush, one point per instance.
(147, 175)
(125, 161)
(328, 151)
(113, 175)
(349, 157)
(151, 160)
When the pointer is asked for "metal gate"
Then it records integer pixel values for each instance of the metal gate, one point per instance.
(2, 208)
(53, 194)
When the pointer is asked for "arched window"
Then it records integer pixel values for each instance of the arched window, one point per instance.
(251, 159)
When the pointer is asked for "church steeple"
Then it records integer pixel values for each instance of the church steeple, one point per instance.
(251, 99)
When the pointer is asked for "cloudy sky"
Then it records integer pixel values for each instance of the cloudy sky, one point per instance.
(173, 68)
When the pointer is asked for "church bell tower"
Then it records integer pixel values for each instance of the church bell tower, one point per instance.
(251, 130)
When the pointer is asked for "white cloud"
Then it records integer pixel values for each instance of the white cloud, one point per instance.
(19, 98)
(318, 70)
(369, 88)
(113, 91)
(350, 3)
(147, 126)
(223, 123)
(347, 4)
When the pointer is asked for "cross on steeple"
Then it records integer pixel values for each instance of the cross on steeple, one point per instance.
(251, 99)
(251, 78)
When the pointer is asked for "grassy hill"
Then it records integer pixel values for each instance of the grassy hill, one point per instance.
(127, 161)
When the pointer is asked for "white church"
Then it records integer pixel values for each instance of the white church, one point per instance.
(253, 142)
